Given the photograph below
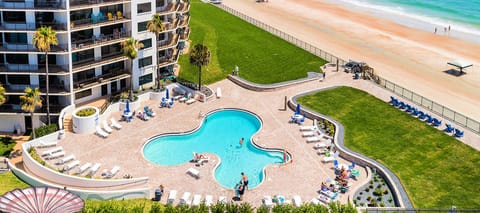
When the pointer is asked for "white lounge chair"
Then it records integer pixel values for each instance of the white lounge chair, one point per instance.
(222, 199)
(297, 201)
(314, 201)
(185, 200)
(196, 200)
(314, 139)
(94, 169)
(208, 200)
(328, 159)
(172, 196)
(55, 155)
(219, 92)
(101, 133)
(115, 124)
(267, 201)
(84, 167)
(44, 144)
(308, 128)
(309, 133)
(71, 165)
(195, 173)
(323, 144)
(106, 127)
(190, 101)
(113, 172)
(66, 159)
(52, 150)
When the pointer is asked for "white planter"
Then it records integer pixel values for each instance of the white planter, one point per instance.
(133, 105)
(85, 125)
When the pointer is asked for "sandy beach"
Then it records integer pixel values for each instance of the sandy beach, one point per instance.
(412, 58)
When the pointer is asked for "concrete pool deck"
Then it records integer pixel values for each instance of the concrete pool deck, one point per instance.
(302, 177)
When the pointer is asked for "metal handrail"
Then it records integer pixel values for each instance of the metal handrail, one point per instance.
(33, 26)
(33, 4)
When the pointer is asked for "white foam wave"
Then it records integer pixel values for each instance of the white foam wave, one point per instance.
(402, 14)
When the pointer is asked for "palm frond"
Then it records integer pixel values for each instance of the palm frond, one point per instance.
(45, 37)
(156, 25)
(31, 100)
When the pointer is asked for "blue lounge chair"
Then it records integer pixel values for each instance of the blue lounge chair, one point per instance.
(351, 166)
(396, 103)
(393, 100)
(458, 133)
(401, 105)
(429, 119)
(422, 115)
(415, 112)
(335, 165)
(449, 128)
(436, 122)
(170, 103)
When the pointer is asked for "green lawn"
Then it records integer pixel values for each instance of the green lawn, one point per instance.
(10, 182)
(261, 57)
(435, 169)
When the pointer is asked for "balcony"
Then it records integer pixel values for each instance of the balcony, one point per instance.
(99, 61)
(183, 7)
(84, 4)
(171, 24)
(19, 89)
(33, 69)
(17, 108)
(171, 42)
(34, 4)
(8, 26)
(98, 21)
(184, 20)
(101, 79)
(169, 59)
(12, 47)
(101, 40)
(170, 8)
(184, 35)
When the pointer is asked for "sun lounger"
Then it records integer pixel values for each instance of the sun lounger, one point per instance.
(323, 144)
(190, 101)
(314, 201)
(94, 169)
(219, 92)
(172, 196)
(178, 97)
(324, 198)
(55, 155)
(52, 150)
(44, 144)
(193, 172)
(196, 200)
(267, 201)
(101, 133)
(222, 199)
(185, 200)
(308, 128)
(83, 168)
(71, 165)
(308, 134)
(208, 200)
(113, 172)
(297, 201)
(106, 127)
(66, 159)
(314, 139)
(114, 124)
(328, 159)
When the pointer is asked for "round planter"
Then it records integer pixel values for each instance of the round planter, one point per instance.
(85, 125)
(133, 105)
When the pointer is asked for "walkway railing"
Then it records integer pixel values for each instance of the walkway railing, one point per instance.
(436, 108)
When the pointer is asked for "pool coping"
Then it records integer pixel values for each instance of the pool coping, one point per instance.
(400, 194)
(252, 138)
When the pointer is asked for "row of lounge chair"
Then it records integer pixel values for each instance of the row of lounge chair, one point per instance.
(107, 128)
(196, 201)
(429, 119)
(280, 200)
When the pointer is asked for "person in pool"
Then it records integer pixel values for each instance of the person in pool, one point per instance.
(245, 180)
(241, 141)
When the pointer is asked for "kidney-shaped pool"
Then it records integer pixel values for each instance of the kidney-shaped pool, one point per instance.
(219, 133)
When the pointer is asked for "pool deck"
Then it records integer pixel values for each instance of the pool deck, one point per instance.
(302, 177)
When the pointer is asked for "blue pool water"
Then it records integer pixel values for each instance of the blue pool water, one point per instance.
(219, 134)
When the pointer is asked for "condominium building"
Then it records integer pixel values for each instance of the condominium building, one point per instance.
(88, 61)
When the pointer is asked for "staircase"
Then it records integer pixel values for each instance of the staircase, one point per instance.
(68, 123)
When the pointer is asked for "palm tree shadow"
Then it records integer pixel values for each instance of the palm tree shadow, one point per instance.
(454, 72)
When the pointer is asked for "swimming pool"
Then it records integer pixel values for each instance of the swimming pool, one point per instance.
(219, 133)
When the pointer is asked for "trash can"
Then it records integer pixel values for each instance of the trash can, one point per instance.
(158, 195)
(61, 134)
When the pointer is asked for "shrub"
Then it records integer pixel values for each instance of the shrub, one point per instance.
(371, 186)
(6, 145)
(358, 198)
(385, 191)
(44, 130)
(378, 192)
(33, 152)
(382, 204)
(86, 112)
(369, 198)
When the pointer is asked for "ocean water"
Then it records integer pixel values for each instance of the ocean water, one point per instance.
(463, 16)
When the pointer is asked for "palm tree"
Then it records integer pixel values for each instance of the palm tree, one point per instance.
(2, 94)
(43, 39)
(156, 25)
(130, 49)
(30, 101)
(200, 56)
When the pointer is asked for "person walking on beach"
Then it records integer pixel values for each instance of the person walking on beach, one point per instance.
(324, 75)
(435, 30)
(244, 179)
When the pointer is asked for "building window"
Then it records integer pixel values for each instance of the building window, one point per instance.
(83, 94)
(16, 38)
(17, 58)
(144, 8)
(145, 79)
(19, 79)
(145, 62)
(142, 26)
(15, 17)
(147, 43)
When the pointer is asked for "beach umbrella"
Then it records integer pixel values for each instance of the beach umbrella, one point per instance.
(298, 109)
(127, 107)
(167, 95)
